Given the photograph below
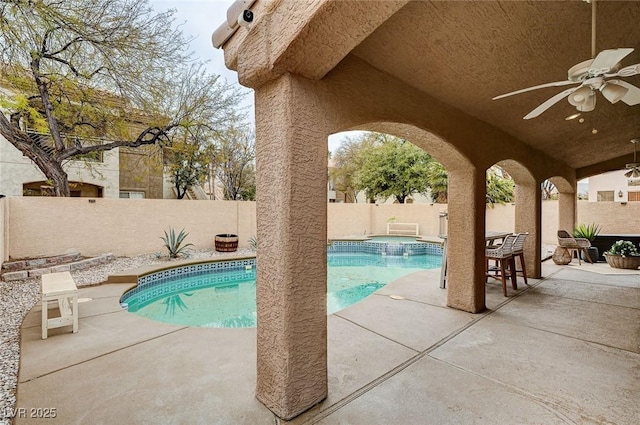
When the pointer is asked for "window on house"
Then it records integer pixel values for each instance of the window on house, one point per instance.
(131, 195)
(634, 196)
(605, 195)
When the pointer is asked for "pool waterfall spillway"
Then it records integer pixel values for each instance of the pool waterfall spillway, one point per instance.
(386, 245)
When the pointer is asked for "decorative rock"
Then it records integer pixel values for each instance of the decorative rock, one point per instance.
(14, 265)
(39, 272)
(36, 262)
(70, 257)
(61, 268)
(561, 256)
(7, 277)
(83, 264)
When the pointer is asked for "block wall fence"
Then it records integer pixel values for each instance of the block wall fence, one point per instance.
(41, 226)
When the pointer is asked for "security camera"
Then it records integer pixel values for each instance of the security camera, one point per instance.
(245, 18)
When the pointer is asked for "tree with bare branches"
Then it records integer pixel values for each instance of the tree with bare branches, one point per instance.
(107, 70)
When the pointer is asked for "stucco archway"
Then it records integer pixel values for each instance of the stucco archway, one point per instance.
(567, 202)
(466, 213)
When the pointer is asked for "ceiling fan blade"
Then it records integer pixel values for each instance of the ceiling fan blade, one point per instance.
(549, 103)
(628, 173)
(608, 59)
(632, 97)
(627, 71)
(541, 86)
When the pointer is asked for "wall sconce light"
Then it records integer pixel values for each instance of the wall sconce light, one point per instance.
(620, 194)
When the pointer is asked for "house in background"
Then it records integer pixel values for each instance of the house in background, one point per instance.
(96, 176)
(614, 186)
(117, 173)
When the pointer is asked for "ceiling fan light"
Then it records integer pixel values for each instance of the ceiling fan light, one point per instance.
(613, 92)
(633, 173)
(588, 105)
(580, 96)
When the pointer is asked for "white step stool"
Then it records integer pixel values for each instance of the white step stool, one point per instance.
(62, 288)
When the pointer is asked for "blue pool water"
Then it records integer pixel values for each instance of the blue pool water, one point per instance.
(227, 299)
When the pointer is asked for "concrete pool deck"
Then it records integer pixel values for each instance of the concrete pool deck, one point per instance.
(565, 350)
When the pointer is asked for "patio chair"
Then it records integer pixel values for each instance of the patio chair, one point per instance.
(505, 264)
(518, 253)
(574, 245)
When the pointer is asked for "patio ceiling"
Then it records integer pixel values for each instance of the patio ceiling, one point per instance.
(465, 53)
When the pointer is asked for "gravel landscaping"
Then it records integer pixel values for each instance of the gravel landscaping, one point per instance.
(18, 297)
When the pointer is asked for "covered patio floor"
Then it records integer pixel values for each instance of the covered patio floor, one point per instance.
(564, 351)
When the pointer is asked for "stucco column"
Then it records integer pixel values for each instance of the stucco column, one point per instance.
(566, 211)
(291, 150)
(528, 218)
(466, 240)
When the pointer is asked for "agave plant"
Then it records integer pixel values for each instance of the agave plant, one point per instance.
(173, 243)
(587, 231)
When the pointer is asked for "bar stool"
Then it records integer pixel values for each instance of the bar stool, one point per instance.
(505, 264)
(518, 252)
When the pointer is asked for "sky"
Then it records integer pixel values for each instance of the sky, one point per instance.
(200, 18)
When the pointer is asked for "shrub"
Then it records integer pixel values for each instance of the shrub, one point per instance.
(587, 231)
(623, 248)
(173, 243)
(253, 243)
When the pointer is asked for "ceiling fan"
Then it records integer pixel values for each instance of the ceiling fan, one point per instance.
(634, 167)
(601, 73)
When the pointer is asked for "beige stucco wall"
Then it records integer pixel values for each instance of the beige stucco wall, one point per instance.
(47, 226)
(360, 219)
(38, 226)
(614, 217)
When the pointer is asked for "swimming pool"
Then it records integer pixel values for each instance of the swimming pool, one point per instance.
(223, 294)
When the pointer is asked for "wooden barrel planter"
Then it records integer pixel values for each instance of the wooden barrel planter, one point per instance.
(226, 242)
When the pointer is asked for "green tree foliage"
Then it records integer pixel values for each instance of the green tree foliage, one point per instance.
(395, 168)
(112, 70)
(188, 165)
(383, 166)
(347, 163)
(499, 188)
(234, 163)
(438, 182)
